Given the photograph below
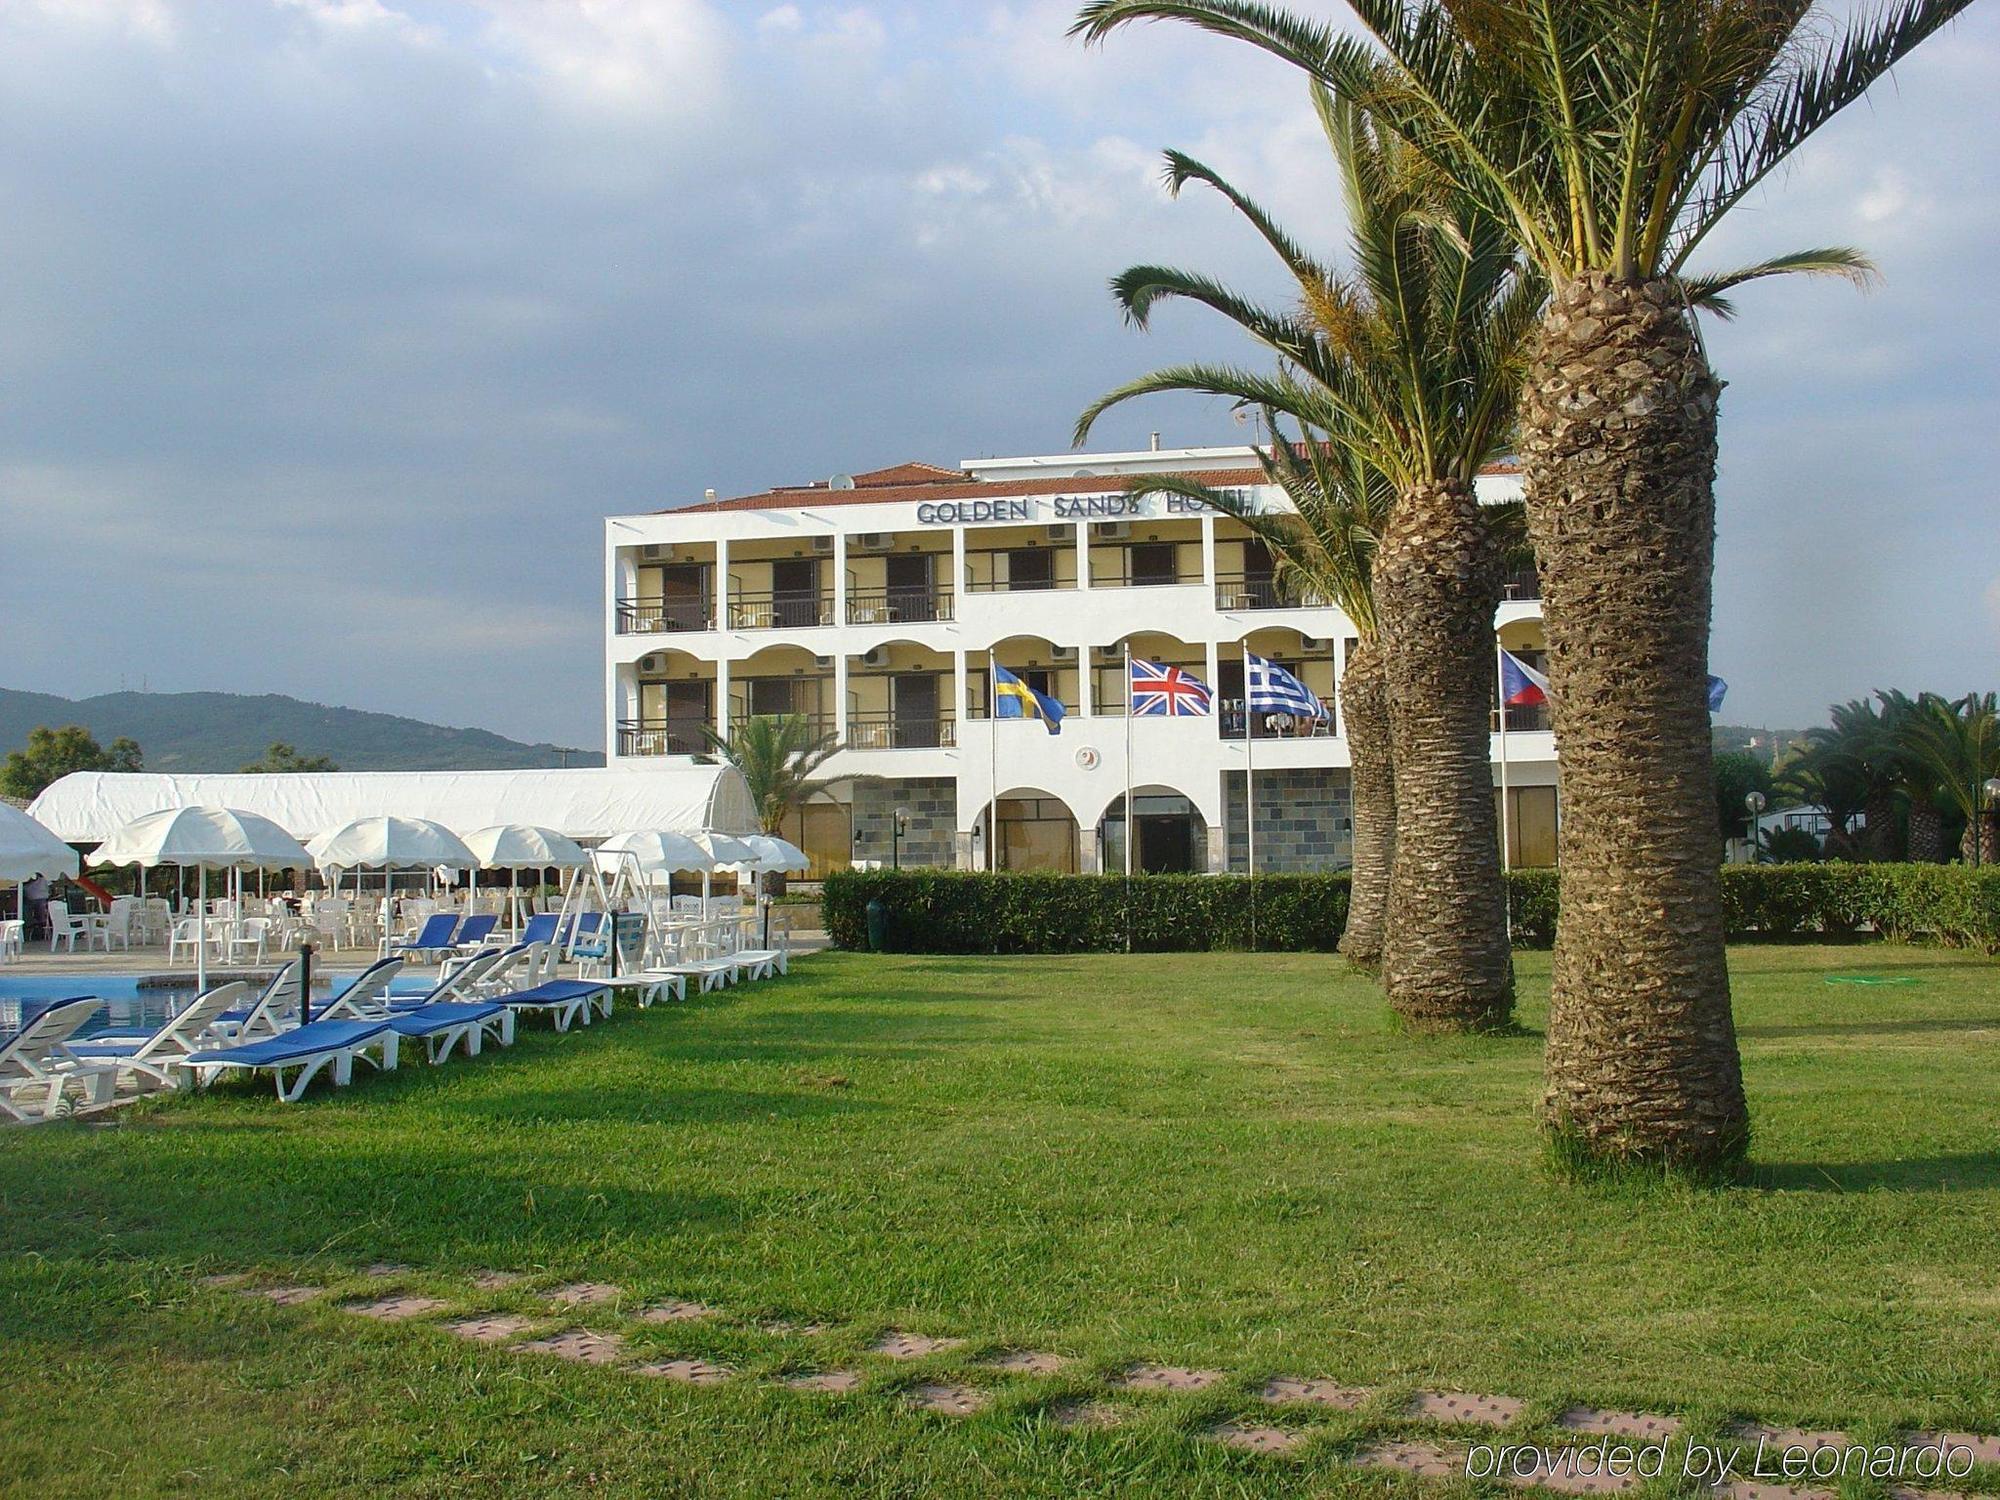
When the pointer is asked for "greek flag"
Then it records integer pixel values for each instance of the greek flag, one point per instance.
(1270, 689)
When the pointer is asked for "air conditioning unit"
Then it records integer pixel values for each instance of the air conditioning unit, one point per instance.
(822, 544)
(1061, 533)
(656, 552)
(1114, 531)
(875, 656)
(654, 663)
(1063, 653)
(1312, 643)
(822, 661)
(875, 541)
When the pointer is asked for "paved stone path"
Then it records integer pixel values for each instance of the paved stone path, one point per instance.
(1540, 1453)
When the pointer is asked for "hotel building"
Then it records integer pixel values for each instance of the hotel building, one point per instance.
(874, 602)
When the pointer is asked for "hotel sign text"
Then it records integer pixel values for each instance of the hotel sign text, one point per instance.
(1032, 509)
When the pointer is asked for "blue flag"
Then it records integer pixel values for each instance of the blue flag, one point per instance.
(1270, 689)
(1716, 688)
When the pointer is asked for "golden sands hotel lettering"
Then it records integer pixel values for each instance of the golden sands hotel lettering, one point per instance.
(1062, 508)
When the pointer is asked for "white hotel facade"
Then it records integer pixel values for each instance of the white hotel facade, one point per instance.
(873, 603)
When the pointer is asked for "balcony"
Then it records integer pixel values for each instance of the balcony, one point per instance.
(663, 737)
(1522, 583)
(883, 731)
(779, 611)
(821, 725)
(1231, 720)
(897, 606)
(651, 616)
(1259, 591)
(1119, 578)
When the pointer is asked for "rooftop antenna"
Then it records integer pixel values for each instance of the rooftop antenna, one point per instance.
(709, 495)
(1156, 443)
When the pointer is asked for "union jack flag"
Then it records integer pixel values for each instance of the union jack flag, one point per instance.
(1163, 691)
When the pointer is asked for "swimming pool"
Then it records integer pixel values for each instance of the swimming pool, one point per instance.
(23, 996)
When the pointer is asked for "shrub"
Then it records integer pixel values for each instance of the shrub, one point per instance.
(978, 912)
(975, 912)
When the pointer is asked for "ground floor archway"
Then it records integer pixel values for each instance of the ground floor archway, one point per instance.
(1171, 839)
(1036, 831)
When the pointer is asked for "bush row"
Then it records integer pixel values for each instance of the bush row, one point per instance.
(931, 911)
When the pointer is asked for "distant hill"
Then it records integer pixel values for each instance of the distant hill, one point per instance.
(1766, 744)
(227, 731)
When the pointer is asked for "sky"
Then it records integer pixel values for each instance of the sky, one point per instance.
(330, 330)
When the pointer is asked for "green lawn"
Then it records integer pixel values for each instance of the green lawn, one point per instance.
(1224, 1161)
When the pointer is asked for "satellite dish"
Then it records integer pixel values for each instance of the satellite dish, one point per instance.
(841, 482)
(1084, 474)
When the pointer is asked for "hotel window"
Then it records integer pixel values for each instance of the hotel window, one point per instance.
(1031, 568)
(1148, 563)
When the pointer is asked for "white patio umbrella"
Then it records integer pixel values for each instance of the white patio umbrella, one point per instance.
(389, 844)
(514, 847)
(209, 838)
(777, 854)
(729, 853)
(27, 849)
(653, 854)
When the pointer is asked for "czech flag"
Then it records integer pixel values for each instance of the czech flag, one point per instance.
(1014, 699)
(1521, 686)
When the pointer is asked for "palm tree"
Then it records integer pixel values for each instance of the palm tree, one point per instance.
(1850, 766)
(1612, 136)
(1413, 361)
(778, 754)
(1954, 746)
(1325, 549)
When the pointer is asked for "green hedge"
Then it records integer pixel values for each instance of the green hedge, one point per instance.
(952, 912)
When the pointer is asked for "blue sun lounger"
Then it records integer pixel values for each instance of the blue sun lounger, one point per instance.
(435, 936)
(475, 931)
(448, 1023)
(308, 1048)
(564, 999)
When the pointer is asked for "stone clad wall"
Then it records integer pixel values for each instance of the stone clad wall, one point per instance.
(930, 836)
(1303, 821)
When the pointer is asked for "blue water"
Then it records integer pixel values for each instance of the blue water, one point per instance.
(125, 1004)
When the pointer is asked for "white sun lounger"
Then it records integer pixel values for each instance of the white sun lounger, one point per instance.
(158, 1057)
(452, 1023)
(309, 1048)
(36, 1059)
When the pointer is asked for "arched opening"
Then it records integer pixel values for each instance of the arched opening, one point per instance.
(1036, 831)
(1308, 658)
(1044, 666)
(899, 698)
(1172, 836)
(1109, 689)
(675, 702)
(782, 680)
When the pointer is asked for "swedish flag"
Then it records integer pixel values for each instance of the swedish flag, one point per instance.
(1014, 699)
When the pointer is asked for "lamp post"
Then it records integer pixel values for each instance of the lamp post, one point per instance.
(1989, 795)
(1754, 803)
(305, 981)
(897, 825)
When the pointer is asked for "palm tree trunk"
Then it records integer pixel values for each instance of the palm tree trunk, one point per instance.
(1618, 445)
(1878, 839)
(1926, 832)
(1436, 582)
(1364, 705)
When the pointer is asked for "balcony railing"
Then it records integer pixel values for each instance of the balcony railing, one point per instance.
(663, 737)
(1523, 719)
(897, 606)
(1015, 585)
(1259, 591)
(649, 616)
(887, 731)
(820, 724)
(1230, 719)
(1118, 578)
(783, 611)
(1522, 583)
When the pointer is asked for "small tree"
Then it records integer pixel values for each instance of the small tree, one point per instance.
(52, 754)
(282, 758)
(1738, 773)
(777, 754)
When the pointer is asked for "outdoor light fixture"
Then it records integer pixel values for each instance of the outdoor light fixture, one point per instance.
(1754, 803)
(898, 826)
(1990, 794)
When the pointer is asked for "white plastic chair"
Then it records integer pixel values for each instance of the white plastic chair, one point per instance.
(13, 939)
(63, 928)
(249, 938)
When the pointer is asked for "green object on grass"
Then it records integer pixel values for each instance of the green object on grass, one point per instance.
(1872, 979)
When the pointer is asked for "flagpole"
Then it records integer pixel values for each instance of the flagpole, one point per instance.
(1506, 842)
(1131, 824)
(992, 765)
(1250, 795)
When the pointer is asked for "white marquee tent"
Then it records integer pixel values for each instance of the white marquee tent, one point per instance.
(588, 804)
